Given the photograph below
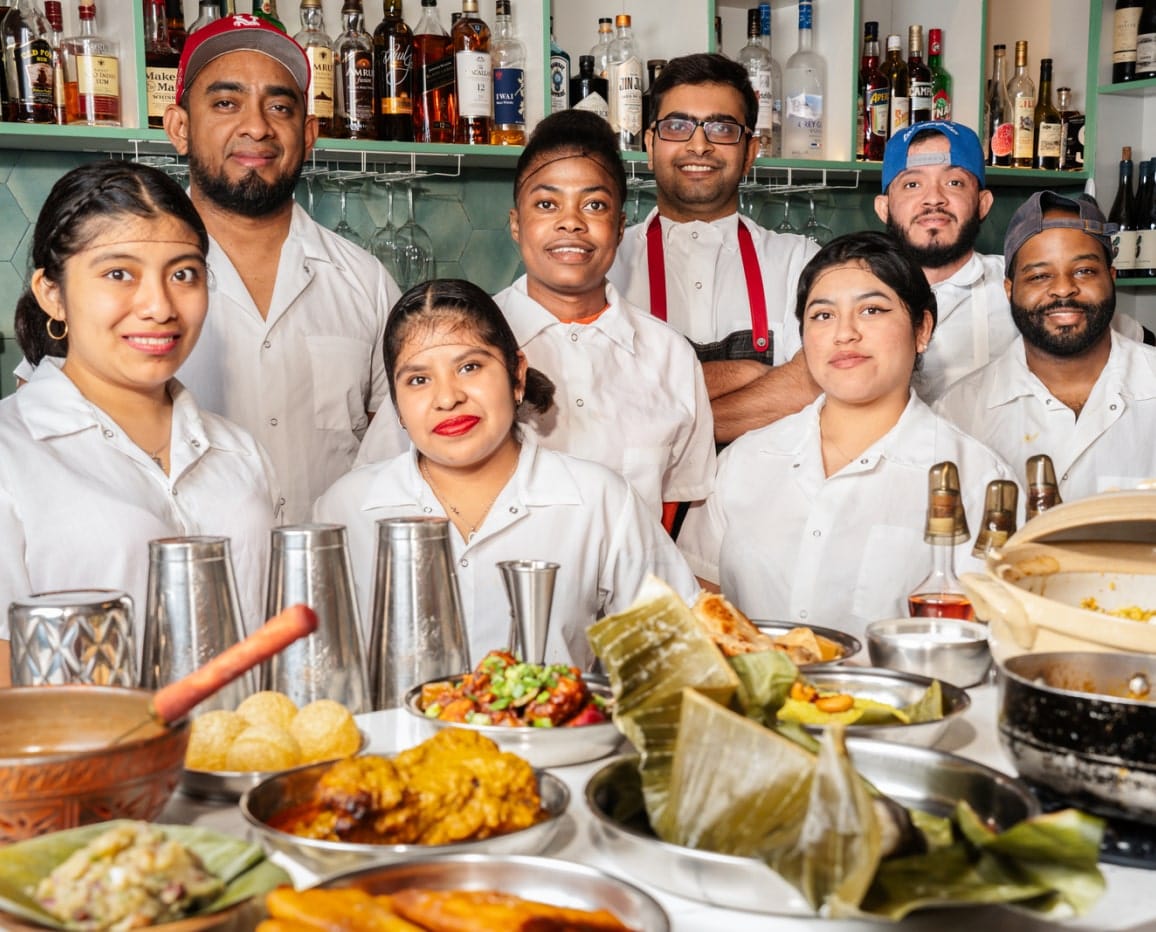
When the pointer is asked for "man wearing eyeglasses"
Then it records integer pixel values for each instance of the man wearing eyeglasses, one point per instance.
(722, 281)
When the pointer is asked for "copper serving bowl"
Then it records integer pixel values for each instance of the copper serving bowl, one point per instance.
(59, 767)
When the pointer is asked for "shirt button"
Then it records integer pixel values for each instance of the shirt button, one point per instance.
(1064, 477)
(513, 509)
(196, 443)
(1111, 407)
(173, 491)
(463, 562)
(863, 462)
(803, 613)
(580, 402)
(427, 509)
(698, 285)
(108, 433)
(573, 338)
(267, 344)
(272, 422)
(694, 235)
(816, 533)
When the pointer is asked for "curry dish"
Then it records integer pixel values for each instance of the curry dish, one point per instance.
(456, 786)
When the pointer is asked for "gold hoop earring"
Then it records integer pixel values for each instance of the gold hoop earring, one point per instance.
(48, 327)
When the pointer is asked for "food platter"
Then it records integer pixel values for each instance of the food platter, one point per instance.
(916, 777)
(542, 747)
(562, 883)
(850, 644)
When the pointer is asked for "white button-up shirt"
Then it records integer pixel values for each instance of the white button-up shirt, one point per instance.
(304, 379)
(786, 542)
(706, 288)
(629, 394)
(1111, 445)
(79, 501)
(575, 513)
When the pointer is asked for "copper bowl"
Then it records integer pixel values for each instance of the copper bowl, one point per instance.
(59, 768)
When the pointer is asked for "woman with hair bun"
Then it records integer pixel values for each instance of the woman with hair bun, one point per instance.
(459, 382)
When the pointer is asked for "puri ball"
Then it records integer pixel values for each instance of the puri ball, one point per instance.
(268, 708)
(325, 730)
(209, 738)
(263, 747)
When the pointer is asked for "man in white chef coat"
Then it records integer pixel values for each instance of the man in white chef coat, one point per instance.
(291, 348)
(721, 280)
(1068, 385)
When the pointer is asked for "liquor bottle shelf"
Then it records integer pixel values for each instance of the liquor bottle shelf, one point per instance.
(1145, 87)
(1128, 282)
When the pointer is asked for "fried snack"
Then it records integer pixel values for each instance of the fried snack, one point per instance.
(210, 736)
(269, 708)
(489, 910)
(332, 910)
(263, 747)
(325, 730)
(729, 628)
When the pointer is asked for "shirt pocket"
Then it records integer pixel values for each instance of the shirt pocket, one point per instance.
(894, 561)
(340, 370)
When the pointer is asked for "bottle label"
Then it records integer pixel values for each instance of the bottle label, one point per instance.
(1125, 245)
(1125, 23)
(1025, 127)
(941, 105)
(559, 83)
(161, 88)
(879, 110)
(98, 75)
(397, 60)
(475, 84)
(1146, 250)
(1072, 143)
(804, 125)
(921, 95)
(761, 81)
(1146, 53)
(356, 87)
(1001, 140)
(626, 96)
(1049, 147)
(321, 81)
(900, 114)
(34, 79)
(595, 103)
(509, 97)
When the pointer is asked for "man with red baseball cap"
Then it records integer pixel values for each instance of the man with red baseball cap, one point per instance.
(291, 348)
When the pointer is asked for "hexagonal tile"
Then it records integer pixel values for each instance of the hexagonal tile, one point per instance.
(487, 196)
(14, 226)
(33, 177)
(445, 220)
(8, 160)
(490, 260)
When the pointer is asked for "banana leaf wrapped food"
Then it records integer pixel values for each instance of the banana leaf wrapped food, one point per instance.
(719, 772)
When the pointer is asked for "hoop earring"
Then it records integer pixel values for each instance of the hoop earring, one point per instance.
(48, 326)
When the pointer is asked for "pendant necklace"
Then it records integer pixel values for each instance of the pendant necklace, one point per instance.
(423, 467)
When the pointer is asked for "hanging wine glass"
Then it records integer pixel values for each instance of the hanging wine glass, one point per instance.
(308, 174)
(633, 204)
(415, 250)
(383, 243)
(344, 227)
(814, 230)
(785, 225)
(748, 198)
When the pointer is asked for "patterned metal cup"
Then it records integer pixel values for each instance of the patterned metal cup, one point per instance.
(73, 636)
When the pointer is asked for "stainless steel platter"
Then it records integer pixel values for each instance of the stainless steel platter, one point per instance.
(849, 644)
(542, 747)
(919, 778)
(295, 788)
(548, 880)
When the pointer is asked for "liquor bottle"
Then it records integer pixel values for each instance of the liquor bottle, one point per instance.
(209, 11)
(1146, 41)
(1048, 126)
(508, 56)
(876, 95)
(354, 110)
(998, 128)
(654, 68)
(941, 595)
(54, 13)
(435, 99)
(91, 74)
(1000, 505)
(1123, 214)
(624, 74)
(559, 74)
(804, 85)
(940, 78)
(474, 72)
(588, 91)
(1071, 132)
(319, 50)
(392, 59)
(776, 80)
(175, 17)
(601, 50)
(1021, 91)
(1125, 31)
(27, 49)
(918, 76)
(1145, 222)
(161, 61)
(267, 10)
(757, 62)
(899, 101)
(1043, 490)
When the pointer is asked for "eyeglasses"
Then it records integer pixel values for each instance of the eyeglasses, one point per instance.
(681, 129)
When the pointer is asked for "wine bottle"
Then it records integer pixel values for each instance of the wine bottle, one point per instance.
(1122, 213)
(1021, 90)
(1146, 41)
(435, 97)
(899, 102)
(918, 76)
(354, 106)
(1125, 33)
(940, 77)
(624, 74)
(998, 126)
(876, 96)
(392, 60)
(319, 50)
(588, 91)
(1048, 126)
(804, 87)
(475, 76)
(1071, 132)
(1145, 222)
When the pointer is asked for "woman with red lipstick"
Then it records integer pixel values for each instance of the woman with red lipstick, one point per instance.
(103, 450)
(460, 385)
(819, 517)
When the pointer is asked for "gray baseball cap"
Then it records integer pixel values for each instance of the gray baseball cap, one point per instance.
(1080, 213)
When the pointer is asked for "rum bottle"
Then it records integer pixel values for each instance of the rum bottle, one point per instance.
(624, 73)
(91, 74)
(161, 61)
(918, 76)
(319, 50)
(941, 595)
(435, 99)
(354, 110)
(804, 87)
(27, 50)
(473, 70)
(1123, 214)
(588, 91)
(508, 56)
(1022, 93)
(998, 123)
(1048, 125)
(1043, 490)
(940, 78)
(757, 61)
(876, 96)
(1071, 132)
(392, 61)
(1001, 501)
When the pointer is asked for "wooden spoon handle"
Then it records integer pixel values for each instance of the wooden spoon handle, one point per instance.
(176, 700)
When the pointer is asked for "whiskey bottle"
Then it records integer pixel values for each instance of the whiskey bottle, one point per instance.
(392, 61)
(588, 91)
(508, 58)
(473, 70)
(998, 124)
(624, 73)
(319, 50)
(354, 111)
(940, 78)
(876, 96)
(1022, 94)
(940, 594)
(91, 74)
(1071, 132)
(1048, 125)
(899, 102)
(27, 49)
(161, 61)
(435, 99)
(918, 76)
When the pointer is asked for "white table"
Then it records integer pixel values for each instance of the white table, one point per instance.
(1129, 904)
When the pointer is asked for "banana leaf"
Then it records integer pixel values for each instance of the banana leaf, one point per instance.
(240, 864)
(766, 677)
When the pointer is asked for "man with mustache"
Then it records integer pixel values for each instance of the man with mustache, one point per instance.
(291, 347)
(934, 200)
(1068, 386)
(721, 280)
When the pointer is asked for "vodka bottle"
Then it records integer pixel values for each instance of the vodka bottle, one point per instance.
(757, 62)
(804, 85)
(776, 81)
(624, 73)
(508, 54)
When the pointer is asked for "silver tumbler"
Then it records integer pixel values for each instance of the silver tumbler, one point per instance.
(309, 563)
(75, 636)
(192, 615)
(417, 629)
(530, 587)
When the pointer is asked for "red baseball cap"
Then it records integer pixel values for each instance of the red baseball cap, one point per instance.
(240, 32)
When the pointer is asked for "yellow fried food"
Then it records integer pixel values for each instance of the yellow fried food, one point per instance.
(210, 736)
(325, 730)
(268, 707)
(818, 712)
(334, 910)
(263, 747)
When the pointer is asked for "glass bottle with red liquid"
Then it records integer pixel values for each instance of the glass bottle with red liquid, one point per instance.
(941, 594)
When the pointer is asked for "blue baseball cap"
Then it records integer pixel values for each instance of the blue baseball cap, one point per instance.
(965, 151)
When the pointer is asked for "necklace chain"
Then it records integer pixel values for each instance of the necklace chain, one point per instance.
(423, 466)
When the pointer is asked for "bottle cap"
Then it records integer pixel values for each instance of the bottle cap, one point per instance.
(946, 521)
(894, 42)
(999, 516)
(1043, 490)
(871, 29)
(622, 19)
(915, 39)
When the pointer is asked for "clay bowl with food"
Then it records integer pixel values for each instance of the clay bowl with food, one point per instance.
(839, 646)
(945, 649)
(61, 764)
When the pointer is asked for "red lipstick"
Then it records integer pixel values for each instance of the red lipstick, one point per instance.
(456, 426)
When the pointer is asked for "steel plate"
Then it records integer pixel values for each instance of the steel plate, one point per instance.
(850, 644)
